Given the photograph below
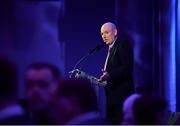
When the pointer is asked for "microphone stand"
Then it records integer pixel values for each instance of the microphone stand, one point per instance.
(98, 47)
(81, 60)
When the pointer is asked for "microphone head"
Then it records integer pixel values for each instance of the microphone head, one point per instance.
(99, 46)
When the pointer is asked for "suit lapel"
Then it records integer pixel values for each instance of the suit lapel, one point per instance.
(111, 55)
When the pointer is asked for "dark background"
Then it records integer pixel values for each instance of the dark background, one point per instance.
(63, 31)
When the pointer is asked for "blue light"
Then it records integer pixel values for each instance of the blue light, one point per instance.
(172, 65)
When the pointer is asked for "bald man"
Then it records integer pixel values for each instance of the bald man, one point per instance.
(117, 71)
(145, 109)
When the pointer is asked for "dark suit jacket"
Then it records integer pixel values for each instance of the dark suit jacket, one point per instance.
(120, 68)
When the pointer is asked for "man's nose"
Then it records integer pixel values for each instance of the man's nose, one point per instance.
(35, 88)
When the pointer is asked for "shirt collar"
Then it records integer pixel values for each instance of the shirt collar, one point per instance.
(110, 46)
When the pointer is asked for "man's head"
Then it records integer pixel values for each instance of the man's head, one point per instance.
(145, 109)
(73, 98)
(8, 79)
(108, 33)
(128, 117)
(41, 81)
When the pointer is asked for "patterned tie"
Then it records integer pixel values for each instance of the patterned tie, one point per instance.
(109, 50)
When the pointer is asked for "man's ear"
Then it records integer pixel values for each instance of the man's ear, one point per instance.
(115, 32)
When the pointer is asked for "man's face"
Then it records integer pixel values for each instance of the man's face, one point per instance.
(40, 87)
(108, 34)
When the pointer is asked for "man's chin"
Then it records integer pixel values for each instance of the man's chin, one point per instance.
(107, 43)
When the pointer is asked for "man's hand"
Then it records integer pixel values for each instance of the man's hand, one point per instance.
(104, 76)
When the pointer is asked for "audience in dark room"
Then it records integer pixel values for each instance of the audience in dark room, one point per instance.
(10, 111)
(41, 81)
(52, 99)
(143, 109)
(75, 103)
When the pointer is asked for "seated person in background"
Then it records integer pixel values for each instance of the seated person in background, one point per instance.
(11, 113)
(145, 109)
(75, 103)
(41, 81)
(23, 103)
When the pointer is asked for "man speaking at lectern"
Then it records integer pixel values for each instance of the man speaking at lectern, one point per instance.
(117, 71)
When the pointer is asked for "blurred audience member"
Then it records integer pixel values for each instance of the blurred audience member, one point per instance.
(145, 109)
(10, 111)
(41, 82)
(23, 103)
(75, 103)
(176, 121)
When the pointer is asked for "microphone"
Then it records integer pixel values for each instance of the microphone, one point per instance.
(97, 48)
